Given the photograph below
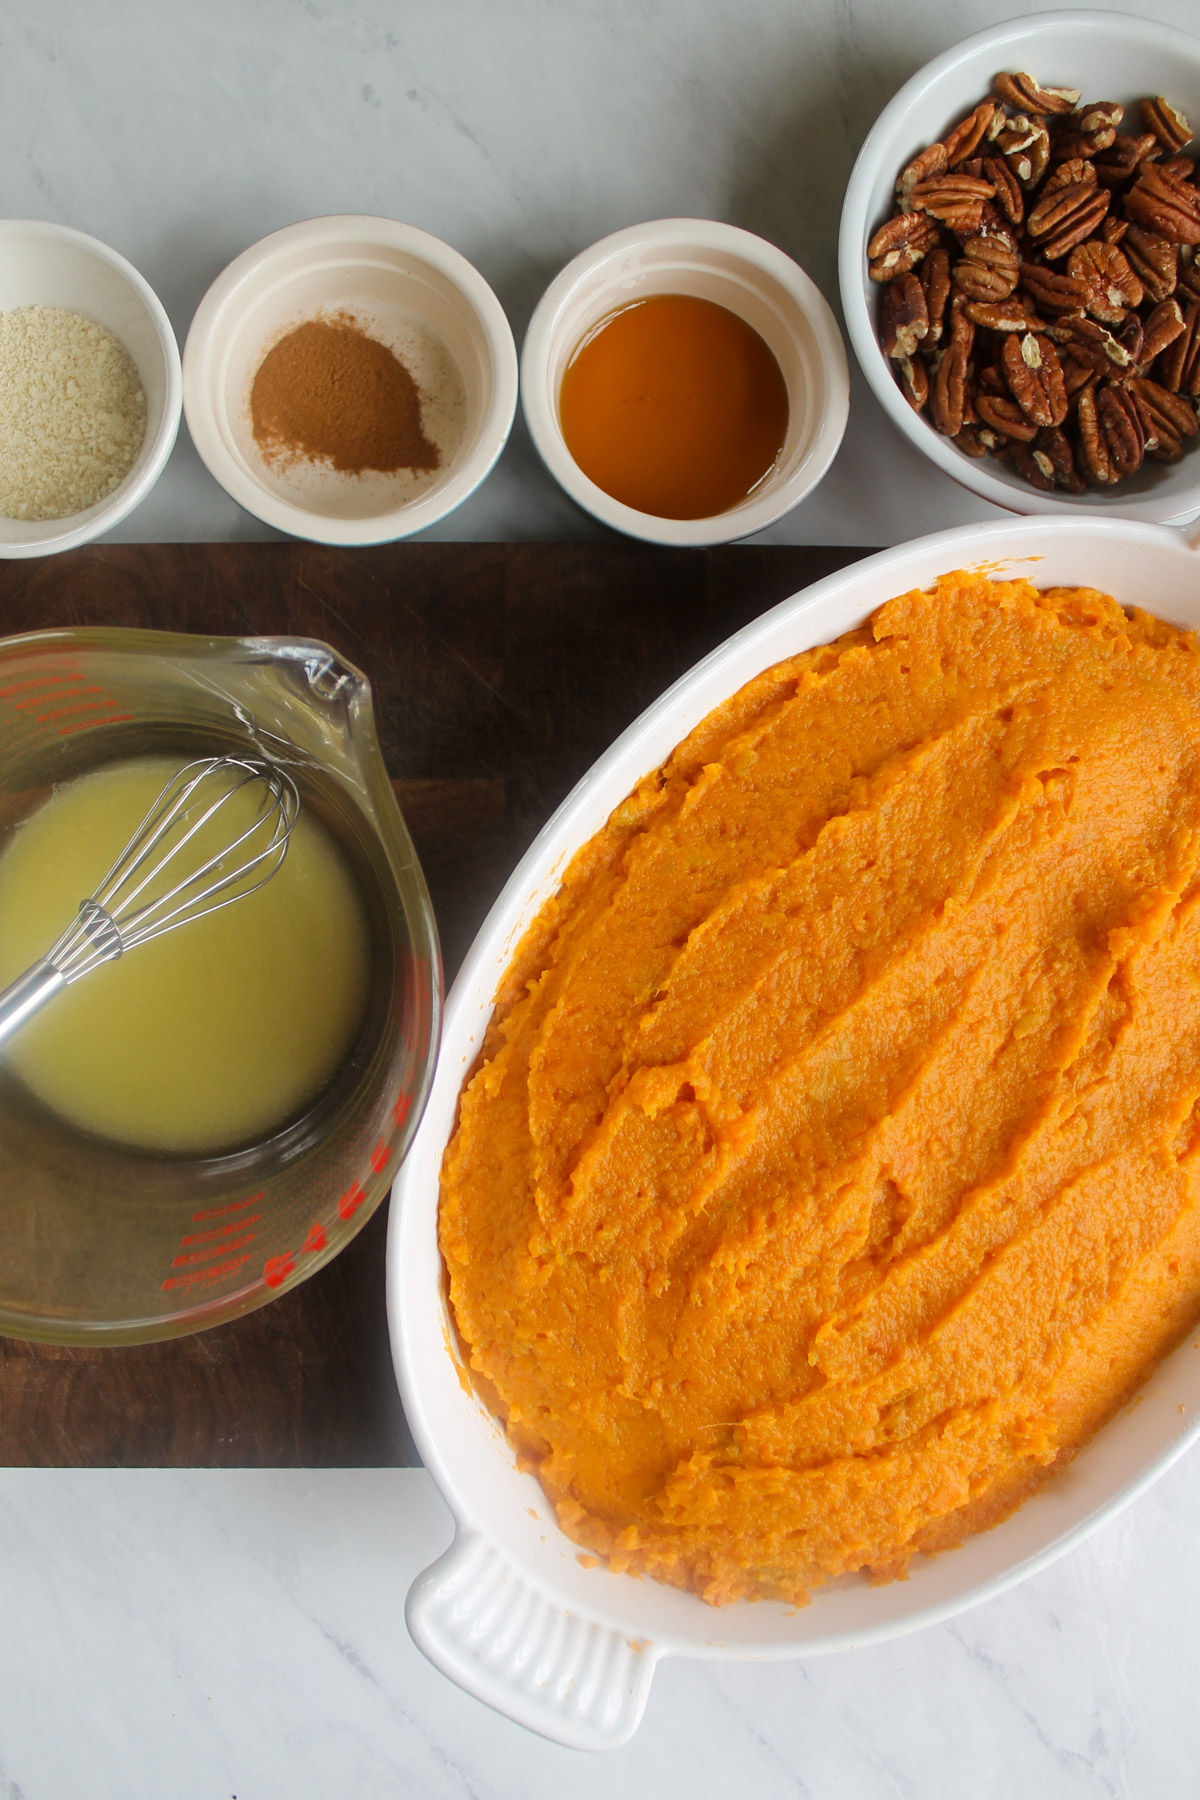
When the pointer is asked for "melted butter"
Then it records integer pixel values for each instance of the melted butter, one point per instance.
(212, 1036)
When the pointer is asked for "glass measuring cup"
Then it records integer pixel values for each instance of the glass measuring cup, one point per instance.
(100, 1243)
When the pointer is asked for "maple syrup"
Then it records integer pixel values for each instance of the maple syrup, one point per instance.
(674, 406)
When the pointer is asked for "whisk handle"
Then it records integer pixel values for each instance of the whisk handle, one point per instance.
(27, 995)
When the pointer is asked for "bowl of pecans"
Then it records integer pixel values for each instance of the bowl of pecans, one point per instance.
(1020, 265)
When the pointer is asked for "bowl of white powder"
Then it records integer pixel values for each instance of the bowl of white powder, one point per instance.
(90, 388)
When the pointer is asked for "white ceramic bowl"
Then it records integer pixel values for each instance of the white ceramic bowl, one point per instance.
(409, 290)
(42, 264)
(736, 270)
(508, 1612)
(1110, 56)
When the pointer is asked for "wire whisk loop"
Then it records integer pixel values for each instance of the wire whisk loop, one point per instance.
(168, 875)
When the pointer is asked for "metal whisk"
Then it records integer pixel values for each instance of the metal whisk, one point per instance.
(128, 907)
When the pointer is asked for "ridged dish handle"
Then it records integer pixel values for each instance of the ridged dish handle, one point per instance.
(485, 1626)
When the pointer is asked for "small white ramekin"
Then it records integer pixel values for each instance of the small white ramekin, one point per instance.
(1110, 56)
(362, 265)
(737, 270)
(42, 264)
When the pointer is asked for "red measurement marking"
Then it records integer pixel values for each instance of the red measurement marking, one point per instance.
(222, 1231)
(195, 1256)
(276, 1269)
(218, 1242)
(214, 1273)
(65, 712)
(350, 1201)
(400, 1110)
(316, 1239)
(379, 1156)
(23, 687)
(221, 1212)
(86, 724)
(62, 694)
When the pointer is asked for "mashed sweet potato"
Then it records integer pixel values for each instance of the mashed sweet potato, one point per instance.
(830, 1170)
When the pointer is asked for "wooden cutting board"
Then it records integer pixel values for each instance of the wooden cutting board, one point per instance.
(500, 672)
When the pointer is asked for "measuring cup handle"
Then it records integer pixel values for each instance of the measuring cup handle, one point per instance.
(27, 995)
(490, 1630)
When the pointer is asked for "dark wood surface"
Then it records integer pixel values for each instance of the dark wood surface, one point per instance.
(500, 672)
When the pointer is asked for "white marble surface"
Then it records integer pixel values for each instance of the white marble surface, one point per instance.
(202, 1635)
(180, 131)
(197, 1636)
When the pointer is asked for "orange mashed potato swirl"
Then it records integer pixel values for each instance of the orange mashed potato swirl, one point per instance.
(830, 1171)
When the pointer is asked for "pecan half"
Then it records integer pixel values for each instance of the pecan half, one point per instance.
(1028, 95)
(1165, 203)
(1034, 375)
(1038, 473)
(1112, 441)
(1068, 174)
(999, 315)
(970, 442)
(955, 199)
(1068, 216)
(1163, 326)
(1115, 165)
(1113, 229)
(904, 320)
(962, 330)
(987, 268)
(1113, 286)
(1002, 413)
(950, 389)
(1025, 146)
(1097, 115)
(1091, 342)
(1009, 198)
(914, 381)
(1154, 259)
(935, 279)
(1167, 123)
(1093, 446)
(1189, 282)
(1079, 227)
(968, 133)
(1167, 418)
(1122, 427)
(923, 167)
(899, 245)
(1081, 143)
(1052, 452)
(1055, 291)
(1180, 367)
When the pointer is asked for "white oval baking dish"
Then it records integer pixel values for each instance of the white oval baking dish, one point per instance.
(509, 1612)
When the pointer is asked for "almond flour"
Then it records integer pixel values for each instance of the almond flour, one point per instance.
(72, 413)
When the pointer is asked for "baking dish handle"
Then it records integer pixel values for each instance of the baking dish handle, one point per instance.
(485, 1626)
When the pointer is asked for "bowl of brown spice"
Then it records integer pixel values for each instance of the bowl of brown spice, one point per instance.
(350, 379)
(1020, 265)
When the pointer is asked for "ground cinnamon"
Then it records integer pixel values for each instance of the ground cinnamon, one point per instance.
(329, 392)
